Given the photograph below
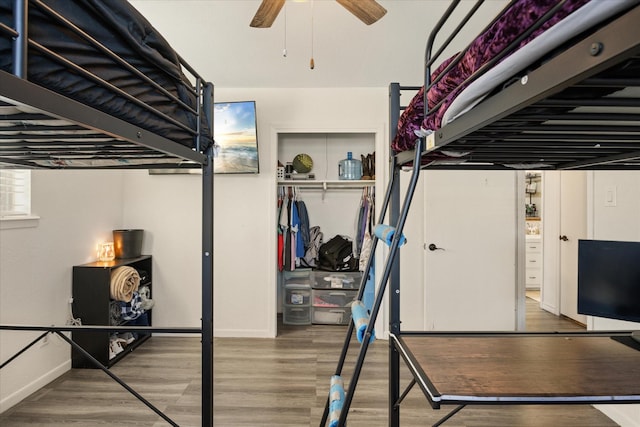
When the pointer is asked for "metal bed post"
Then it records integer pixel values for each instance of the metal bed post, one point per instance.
(21, 40)
(207, 272)
(394, 293)
(394, 316)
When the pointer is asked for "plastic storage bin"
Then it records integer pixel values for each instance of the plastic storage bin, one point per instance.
(333, 298)
(335, 279)
(296, 298)
(331, 316)
(297, 295)
(296, 315)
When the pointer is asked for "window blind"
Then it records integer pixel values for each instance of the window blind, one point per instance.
(15, 193)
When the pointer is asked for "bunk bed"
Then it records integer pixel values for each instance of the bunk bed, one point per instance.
(87, 84)
(574, 104)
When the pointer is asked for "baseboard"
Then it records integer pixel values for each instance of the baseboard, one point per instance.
(34, 386)
(624, 415)
(242, 333)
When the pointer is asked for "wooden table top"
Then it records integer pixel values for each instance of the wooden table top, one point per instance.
(523, 369)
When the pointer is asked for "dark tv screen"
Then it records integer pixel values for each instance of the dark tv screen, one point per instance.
(609, 279)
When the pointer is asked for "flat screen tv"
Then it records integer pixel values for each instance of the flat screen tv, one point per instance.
(236, 139)
(609, 279)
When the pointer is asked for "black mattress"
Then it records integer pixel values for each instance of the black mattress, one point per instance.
(121, 29)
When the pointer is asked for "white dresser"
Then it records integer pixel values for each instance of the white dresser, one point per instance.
(533, 262)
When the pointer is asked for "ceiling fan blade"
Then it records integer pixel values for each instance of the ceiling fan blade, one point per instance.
(267, 13)
(368, 11)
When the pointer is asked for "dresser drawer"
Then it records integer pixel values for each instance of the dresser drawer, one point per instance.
(533, 276)
(533, 260)
(533, 246)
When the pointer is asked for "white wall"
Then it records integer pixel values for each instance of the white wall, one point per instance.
(620, 222)
(77, 211)
(168, 207)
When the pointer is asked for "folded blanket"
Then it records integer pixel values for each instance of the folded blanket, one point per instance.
(124, 282)
(133, 309)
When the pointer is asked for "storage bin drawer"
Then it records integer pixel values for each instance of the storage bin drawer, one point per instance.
(332, 316)
(333, 297)
(298, 277)
(294, 315)
(333, 279)
(297, 295)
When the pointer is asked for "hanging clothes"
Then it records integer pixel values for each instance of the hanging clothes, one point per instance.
(281, 228)
(293, 229)
(364, 221)
(365, 226)
(303, 216)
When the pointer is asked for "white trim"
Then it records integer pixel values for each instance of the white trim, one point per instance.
(37, 384)
(19, 221)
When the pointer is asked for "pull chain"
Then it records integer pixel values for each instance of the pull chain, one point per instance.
(284, 50)
(312, 64)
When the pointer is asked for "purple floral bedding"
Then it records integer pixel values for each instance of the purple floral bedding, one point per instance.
(514, 21)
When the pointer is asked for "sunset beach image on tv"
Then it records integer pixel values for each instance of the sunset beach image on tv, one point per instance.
(236, 141)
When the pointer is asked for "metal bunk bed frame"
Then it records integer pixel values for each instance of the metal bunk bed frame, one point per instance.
(126, 141)
(490, 134)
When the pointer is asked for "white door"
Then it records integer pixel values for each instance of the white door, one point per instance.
(565, 205)
(573, 226)
(470, 273)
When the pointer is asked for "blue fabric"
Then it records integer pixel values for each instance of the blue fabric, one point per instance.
(361, 321)
(303, 231)
(295, 226)
(369, 288)
(336, 398)
(386, 233)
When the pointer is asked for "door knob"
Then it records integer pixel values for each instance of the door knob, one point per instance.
(564, 238)
(433, 247)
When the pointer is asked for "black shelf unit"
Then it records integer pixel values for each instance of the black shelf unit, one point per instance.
(91, 304)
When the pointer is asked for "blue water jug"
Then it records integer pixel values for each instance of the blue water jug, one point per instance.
(350, 168)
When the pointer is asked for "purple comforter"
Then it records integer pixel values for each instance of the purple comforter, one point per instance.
(514, 21)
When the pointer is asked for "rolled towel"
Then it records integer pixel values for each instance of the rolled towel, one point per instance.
(361, 321)
(336, 400)
(124, 282)
(386, 233)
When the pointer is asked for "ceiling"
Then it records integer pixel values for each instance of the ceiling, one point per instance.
(215, 38)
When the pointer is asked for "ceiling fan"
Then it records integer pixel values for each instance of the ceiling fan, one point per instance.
(368, 11)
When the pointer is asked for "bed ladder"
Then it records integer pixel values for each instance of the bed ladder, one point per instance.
(391, 270)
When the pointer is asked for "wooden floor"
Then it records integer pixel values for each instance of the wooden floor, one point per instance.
(265, 382)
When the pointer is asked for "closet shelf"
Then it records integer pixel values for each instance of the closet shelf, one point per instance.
(325, 184)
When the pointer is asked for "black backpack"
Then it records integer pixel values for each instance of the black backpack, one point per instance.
(337, 255)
